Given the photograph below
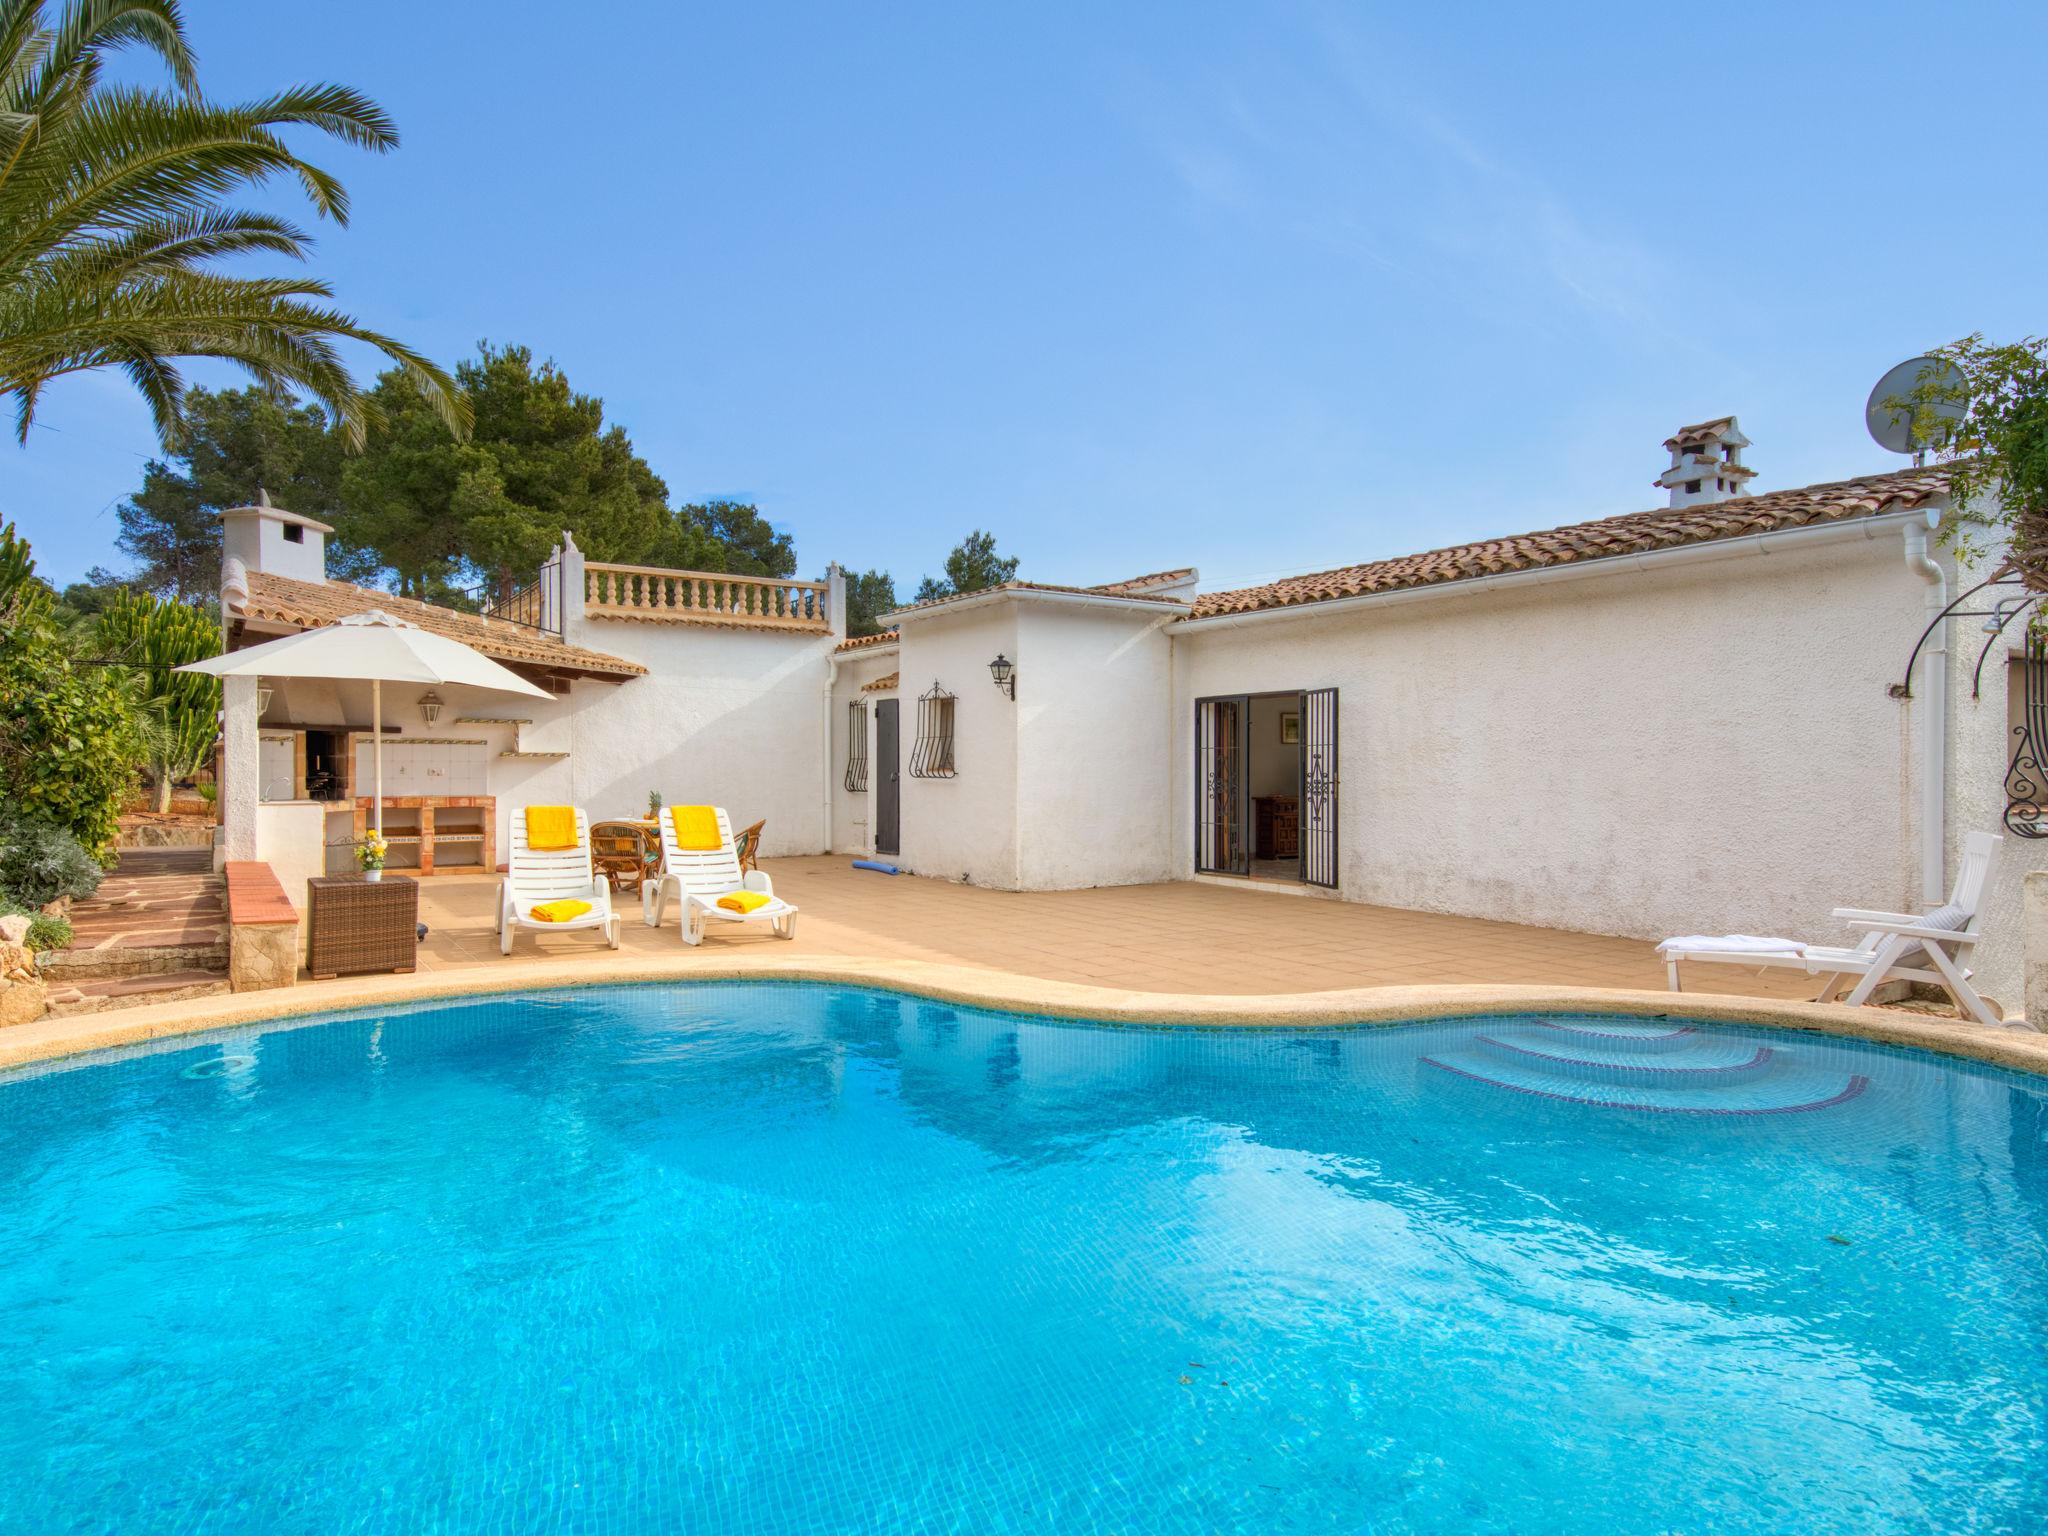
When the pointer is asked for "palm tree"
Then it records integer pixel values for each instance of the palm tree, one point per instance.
(113, 217)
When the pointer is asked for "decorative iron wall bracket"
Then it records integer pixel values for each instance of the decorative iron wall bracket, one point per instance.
(2004, 611)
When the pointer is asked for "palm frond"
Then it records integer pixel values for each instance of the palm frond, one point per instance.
(114, 211)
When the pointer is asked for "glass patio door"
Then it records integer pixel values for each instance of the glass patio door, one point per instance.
(1319, 787)
(1222, 743)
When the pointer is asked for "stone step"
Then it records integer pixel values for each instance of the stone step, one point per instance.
(159, 912)
(164, 861)
(94, 963)
(98, 994)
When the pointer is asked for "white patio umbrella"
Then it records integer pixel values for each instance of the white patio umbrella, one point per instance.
(371, 648)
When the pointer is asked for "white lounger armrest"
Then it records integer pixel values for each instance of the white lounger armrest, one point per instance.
(756, 881)
(1859, 915)
(1907, 929)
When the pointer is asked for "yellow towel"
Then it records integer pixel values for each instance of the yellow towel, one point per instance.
(743, 901)
(550, 827)
(696, 827)
(560, 911)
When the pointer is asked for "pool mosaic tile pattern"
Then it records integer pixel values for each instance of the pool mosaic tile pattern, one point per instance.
(766, 1258)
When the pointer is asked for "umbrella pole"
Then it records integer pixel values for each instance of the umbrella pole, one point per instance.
(377, 748)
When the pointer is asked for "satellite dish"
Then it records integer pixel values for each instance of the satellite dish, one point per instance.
(1892, 407)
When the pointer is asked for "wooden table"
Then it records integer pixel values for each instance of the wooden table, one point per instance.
(354, 925)
(627, 848)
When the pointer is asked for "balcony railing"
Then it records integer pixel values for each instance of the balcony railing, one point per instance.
(702, 597)
(537, 605)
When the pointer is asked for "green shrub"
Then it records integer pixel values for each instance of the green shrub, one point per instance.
(72, 745)
(39, 863)
(44, 933)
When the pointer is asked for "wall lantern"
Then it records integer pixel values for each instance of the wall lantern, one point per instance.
(1005, 674)
(262, 700)
(430, 706)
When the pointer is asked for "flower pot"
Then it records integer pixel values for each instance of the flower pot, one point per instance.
(373, 875)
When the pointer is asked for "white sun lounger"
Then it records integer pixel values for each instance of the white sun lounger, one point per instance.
(536, 875)
(697, 877)
(1893, 946)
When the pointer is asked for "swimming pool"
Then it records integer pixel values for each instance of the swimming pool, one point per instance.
(789, 1257)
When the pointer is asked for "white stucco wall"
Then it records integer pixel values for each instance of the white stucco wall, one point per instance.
(1980, 748)
(964, 827)
(731, 717)
(1674, 749)
(291, 837)
(1064, 787)
(1093, 738)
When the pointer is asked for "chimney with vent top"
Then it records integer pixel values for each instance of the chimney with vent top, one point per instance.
(267, 538)
(1706, 463)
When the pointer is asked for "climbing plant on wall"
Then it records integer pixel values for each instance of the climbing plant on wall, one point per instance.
(1996, 455)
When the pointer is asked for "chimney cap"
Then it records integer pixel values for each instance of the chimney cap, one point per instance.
(1722, 429)
(261, 507)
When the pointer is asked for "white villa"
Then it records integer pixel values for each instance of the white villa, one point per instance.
(1693, 719)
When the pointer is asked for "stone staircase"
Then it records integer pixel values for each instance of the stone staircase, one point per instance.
(156, 931)
(1651, 1066)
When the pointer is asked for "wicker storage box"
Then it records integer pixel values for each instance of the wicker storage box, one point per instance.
(355, 925)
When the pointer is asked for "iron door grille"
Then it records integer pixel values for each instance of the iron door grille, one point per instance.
(2026, 780)
(931, 753)
(856, 778)
(1221, 847)
(1319, 787)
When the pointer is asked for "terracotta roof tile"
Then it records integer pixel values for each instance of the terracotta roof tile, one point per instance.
(1699, 432)
(1631, 534)
(862, 642)
(1045, 586)
(881, 684)
(1137, 585)
(310, 604)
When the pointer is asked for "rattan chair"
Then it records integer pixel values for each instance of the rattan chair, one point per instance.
(626, 851)
(747, 844)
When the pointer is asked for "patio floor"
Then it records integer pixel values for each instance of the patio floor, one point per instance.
(1179, 938)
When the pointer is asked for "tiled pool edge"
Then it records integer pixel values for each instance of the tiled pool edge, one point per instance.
(50, 1039)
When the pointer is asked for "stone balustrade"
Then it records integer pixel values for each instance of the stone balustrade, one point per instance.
(703, 597)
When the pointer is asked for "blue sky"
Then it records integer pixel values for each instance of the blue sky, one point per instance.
(1260, 288)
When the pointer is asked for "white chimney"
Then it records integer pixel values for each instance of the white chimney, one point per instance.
(267, 538)
(1706, 463)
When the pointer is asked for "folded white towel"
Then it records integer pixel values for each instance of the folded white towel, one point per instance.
(1731, 944)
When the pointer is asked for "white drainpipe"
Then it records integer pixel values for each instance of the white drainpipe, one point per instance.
(831, 784)
(1933, 695)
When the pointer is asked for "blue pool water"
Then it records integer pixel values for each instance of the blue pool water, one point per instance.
(793, 1258)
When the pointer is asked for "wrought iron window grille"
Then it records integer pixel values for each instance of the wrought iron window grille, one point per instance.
(857, 746)
(2026, 777)
(931, 753)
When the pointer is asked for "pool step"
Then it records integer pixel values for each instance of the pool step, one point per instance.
(1651, 1067)
(1647, 1036)
(1709, 1061)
